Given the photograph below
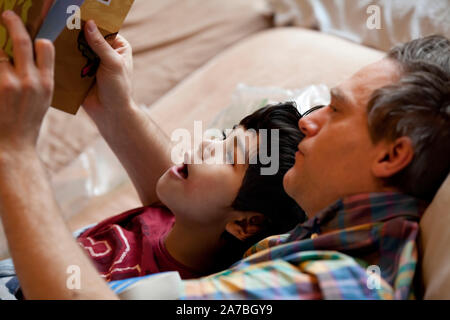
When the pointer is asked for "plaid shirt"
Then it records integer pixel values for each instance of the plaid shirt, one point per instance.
(331, 256)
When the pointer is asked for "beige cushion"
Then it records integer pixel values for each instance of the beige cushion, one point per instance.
(282, 57)
(400, 20)
(435, 241)
(172, 38)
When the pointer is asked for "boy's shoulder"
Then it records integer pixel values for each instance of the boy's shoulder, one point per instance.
(156, 219)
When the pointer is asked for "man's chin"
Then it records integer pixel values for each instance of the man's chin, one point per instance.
(289, 182)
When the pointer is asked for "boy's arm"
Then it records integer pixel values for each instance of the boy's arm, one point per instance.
(141, 146)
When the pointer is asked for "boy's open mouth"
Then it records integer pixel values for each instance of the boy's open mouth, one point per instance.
(182, 171)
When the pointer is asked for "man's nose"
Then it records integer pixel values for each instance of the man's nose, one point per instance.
(309, 126)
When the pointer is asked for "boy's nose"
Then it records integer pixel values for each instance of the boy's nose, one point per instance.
(205, 150)
(188, 157)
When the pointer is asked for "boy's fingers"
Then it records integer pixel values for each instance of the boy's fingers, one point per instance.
(22, 47)
(45, 57)
(120, 42)
(100, 46)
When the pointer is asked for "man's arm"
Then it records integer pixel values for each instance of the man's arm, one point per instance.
(140, 145)
(41, 246)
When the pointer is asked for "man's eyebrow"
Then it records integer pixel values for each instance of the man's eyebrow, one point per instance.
(337, 95)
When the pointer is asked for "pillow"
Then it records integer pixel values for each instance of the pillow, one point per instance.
(434, 242)
(399, 20)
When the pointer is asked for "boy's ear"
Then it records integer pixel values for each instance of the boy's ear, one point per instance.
(246, 225)
(393, 157)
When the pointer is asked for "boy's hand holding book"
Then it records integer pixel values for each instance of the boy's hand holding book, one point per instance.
(111, 96)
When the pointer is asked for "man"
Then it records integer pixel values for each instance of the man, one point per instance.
(359, 153)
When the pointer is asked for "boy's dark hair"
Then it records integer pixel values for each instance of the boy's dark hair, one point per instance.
(265, 193)
(418, 106)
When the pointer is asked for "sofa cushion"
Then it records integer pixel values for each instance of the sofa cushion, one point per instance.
(290, 58)
(434, 242)
(173, 38)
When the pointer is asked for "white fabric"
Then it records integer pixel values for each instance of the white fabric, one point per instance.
(163, 286)
(400, 20)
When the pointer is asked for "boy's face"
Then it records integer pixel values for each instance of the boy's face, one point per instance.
(202, 194)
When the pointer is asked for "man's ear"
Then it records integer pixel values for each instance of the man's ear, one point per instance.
(393, 157)
(246, 224)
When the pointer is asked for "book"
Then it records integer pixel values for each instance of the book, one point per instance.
(75, 62)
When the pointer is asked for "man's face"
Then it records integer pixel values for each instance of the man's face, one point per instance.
(202, 194)
(336, 156)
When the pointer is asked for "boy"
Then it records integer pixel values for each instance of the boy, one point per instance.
(208, 214)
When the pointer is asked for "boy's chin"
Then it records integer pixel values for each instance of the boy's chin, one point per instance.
(169, 192)
(164, 189)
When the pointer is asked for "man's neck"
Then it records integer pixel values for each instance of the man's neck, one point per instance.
(193, 248)
(316, 208)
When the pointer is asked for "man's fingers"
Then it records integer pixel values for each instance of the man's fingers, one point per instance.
(8, 80)
(5, 65)
(45, 57)
(100, 46)
(22, 47)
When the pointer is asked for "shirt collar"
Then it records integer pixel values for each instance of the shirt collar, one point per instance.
(360, 209)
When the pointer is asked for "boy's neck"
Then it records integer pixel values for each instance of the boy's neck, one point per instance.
(195, 249)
